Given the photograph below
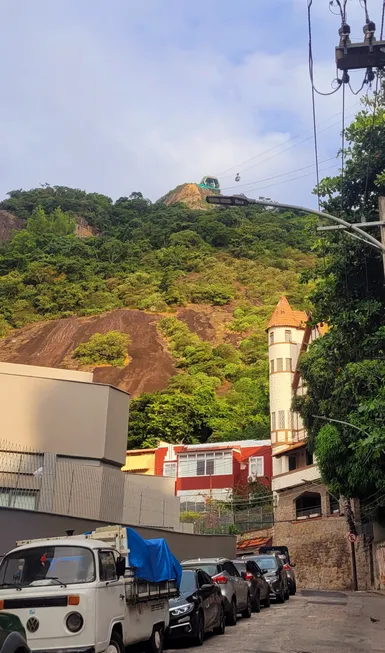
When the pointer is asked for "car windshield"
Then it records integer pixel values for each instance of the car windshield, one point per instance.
(211, 570)
(188, 583)
(48, 565)
(267, 562)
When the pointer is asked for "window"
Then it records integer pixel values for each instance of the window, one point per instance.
(281, 419)
(288, 364)
(279, 364)
(272, 337)
(256, 466)
(231, 569)
(288, 336)
(271, 367)
(71, 564)
(212, 463)
(292, 463)
(23, 499)
(273, 425)
(309, 458)
(169, 469)
(107, 565)
(308, 505)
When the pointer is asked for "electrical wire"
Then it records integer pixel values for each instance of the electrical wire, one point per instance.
(283, 174)
(364, 5)
(311, 60)
(285, 181)
(343, 148)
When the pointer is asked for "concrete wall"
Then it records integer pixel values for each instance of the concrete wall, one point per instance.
(62, 416)
(20, 524)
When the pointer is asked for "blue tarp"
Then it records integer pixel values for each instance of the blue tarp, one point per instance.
(153, 559)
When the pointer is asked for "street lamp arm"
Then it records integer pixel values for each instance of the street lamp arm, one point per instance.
(239, 200)
(347, 225)
(339, 421)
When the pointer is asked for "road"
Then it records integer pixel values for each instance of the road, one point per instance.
(311, 622)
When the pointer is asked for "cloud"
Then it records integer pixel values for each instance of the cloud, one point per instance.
(144, 96)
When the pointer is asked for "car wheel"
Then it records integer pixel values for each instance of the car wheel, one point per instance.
(293, 589)
(287, 594)
(266, 602)
(257, 603)
(232, 616)
(156, 641)
(116, 644)
(220, 629)
(200, 631)
(246, 614)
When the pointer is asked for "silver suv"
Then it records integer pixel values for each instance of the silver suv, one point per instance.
(234, 589)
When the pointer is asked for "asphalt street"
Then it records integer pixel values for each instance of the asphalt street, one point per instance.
(310, 622)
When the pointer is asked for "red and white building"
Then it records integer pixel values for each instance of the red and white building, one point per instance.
(214, 470)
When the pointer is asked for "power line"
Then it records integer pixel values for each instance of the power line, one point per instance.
(285, 181)
(311, 60)
(343, 148)
(283, 174)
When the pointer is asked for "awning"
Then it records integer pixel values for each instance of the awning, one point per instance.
(254, 543)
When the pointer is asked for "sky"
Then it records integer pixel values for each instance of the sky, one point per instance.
(143, 95)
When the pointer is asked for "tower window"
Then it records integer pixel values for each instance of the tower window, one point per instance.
(271, 367)
(279, 364)
(281, 419)
(289, 364)
(288, 335)
(273, 425)
(271, 337)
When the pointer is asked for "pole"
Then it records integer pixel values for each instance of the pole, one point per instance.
(354, 565)
(381, 209)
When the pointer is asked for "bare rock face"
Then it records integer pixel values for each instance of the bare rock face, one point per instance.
(83, 229)
(9, 223)
(190, 194)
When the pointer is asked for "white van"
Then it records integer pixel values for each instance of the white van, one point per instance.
(79, 594)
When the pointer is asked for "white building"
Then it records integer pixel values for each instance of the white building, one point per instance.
(293, 465)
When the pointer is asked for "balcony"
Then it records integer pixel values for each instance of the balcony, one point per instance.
(296, 477)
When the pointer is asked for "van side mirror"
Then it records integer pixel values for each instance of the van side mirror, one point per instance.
(120, 566)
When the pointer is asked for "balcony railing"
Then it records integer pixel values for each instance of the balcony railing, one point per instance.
(309, 513)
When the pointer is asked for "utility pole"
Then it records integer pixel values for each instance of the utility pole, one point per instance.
(381, 209)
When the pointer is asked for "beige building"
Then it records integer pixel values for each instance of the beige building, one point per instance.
(63, 443)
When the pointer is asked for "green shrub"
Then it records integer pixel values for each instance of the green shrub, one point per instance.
(104, 349)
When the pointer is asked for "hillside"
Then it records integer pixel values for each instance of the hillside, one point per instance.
(192, 289)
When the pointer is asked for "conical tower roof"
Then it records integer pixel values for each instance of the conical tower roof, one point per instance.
(285, 316)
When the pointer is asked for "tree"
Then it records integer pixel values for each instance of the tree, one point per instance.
(344, 371)
(104, 349)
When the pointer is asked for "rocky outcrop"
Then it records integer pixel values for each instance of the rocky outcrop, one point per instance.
(190, 194)
(9, 223)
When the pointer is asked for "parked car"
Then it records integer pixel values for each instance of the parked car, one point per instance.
(288, 565)
(12, 634)
(199, 608)
(272, 568)
(235, 590)
(258, 585)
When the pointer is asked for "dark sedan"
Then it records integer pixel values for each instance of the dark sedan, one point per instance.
(259, 587)
(275, 574)
(199, 608)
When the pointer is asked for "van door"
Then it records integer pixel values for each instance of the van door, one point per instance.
(110, 598)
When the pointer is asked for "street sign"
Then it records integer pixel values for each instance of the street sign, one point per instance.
(352, 537)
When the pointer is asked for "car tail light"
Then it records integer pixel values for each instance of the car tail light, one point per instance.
(287, 567)
(220, 579)
(249, 576)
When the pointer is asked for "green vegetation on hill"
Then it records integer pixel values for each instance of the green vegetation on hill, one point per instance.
(109, 348)
(159, 258)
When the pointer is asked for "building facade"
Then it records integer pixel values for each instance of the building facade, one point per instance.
(307, 518)
(214, 470)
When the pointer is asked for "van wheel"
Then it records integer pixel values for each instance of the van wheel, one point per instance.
(156, 641)
(232, 616)
(116, 644)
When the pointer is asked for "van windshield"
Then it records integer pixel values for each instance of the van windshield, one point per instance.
(47, 565)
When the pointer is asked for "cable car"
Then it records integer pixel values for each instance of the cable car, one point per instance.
(210, 183)
(237, 177)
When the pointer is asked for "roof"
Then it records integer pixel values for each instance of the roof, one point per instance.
(254, 543)
(226, 445)
(284, 315)
(288, 448)
(76, 540)
(198, 561)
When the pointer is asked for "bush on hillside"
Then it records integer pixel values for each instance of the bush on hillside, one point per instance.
(109, 348)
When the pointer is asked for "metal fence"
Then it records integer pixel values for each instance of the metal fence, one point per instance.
(46, 482)
(223, 517)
